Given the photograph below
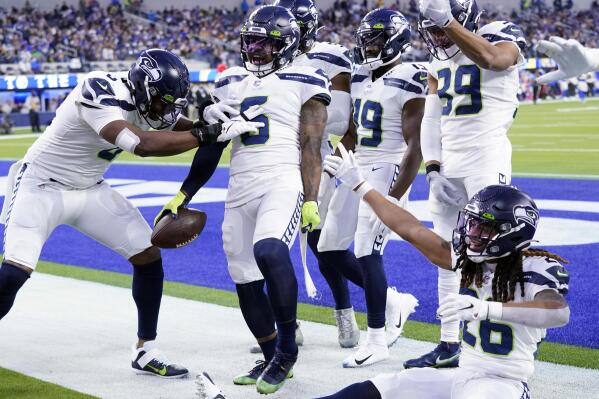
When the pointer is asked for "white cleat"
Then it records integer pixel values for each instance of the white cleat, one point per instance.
(206, 388)
(399, 307)
(299, 339)
(349, 332)
(367, 354)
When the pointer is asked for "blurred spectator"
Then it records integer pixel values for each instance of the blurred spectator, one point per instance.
(32, 105)
(5, 121)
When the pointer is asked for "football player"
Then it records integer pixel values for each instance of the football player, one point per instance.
(572, 58)
(472, 102)
(60, 181)
(274, 181)
(334, 61)
(510, 294)
(388, 104)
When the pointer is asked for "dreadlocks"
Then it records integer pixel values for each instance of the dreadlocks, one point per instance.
(508, 272)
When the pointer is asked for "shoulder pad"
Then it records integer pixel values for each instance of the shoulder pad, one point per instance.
(408, 77)
(231, 75)
(98, 90)
(304, 74)
(503, 31)
(334, 54)
(541, 270)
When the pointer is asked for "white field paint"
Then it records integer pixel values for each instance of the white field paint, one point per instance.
(78, 334)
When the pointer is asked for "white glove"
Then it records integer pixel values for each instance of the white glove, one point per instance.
(217, 112)
(462, 307)
(377, 224)
(345, 168)
(236, 127)
(572, 57)
(437, 11)
(443, 189)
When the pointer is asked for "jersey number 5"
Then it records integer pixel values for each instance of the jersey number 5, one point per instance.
(467, 82)
(369, 116)
(263, 132)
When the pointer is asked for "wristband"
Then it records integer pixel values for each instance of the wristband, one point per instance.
(433, 167)
(363, 188)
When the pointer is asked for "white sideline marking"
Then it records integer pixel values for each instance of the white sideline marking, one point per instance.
(77, 334)
(581, 109)
(19, 136)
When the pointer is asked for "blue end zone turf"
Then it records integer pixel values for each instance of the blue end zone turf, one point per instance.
(568, 208)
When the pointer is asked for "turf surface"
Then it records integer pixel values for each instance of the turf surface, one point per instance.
(18, 386)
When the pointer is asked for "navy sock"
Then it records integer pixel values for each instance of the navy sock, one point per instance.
(334, 278)
(258, 315)
(272, 257)
(375, 288)
(12, 279)
(361, 390)
(147, 294)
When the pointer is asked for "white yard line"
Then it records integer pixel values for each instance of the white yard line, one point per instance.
(77, 334)
(19, 136)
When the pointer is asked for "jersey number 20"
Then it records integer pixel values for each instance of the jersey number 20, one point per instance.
(467, 82)
(262, 136)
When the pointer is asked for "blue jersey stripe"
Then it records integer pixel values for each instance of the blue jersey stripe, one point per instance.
(298, 77)
(330, 58)
(358, 78)
(402, 84)
(118, 103)
(493, 38)
(230, 79)
(539, 279)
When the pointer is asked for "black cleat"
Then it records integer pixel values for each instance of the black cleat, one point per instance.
(149, 360)
(278, 370)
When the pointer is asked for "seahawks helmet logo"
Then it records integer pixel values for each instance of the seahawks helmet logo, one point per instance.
(149, 66)
(526, 214)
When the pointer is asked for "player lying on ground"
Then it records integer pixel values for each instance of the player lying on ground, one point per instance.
(388, 98)
(572, 58)
(510, 294)
(472, 102)
(60, 180)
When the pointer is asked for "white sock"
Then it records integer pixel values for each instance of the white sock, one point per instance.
(377, 336)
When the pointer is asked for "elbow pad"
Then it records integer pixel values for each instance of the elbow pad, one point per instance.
(338, 113)
(430, 130)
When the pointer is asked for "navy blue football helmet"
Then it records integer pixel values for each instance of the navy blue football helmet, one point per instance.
(269, 40)
(383, 35)
(498, 221)
(159, 83)
(466, 12)
(306, 15)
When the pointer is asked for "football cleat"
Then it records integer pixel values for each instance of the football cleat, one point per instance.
(206, 388)
(349, 332)
(299, 339)
(251, 376)
(276, 372)
(149, 360)
(399, 308)
(367, 354)
(443, 356)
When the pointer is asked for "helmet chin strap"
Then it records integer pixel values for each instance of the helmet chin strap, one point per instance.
(379, 62)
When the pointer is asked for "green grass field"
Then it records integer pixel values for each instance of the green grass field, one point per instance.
(548, 139)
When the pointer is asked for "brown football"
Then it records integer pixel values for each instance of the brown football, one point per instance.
(176, 232)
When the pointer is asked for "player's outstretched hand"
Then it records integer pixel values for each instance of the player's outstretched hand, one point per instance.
(238, 126)
(171, 208)
(572, 58)
(310, 216)
(438, 11)
(458, 307)
(344, 168)
(222, 111)
(443, 189)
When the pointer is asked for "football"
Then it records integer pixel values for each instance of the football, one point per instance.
(176, 232)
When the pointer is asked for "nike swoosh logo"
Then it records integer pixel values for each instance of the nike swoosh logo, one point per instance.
(468, 307)
(375, 169)
(102, 86)
(219, 396)
(398, 325)
(358, 362)
(161, 371)
(440, 362)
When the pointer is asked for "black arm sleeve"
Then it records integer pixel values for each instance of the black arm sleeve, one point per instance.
(202, 168)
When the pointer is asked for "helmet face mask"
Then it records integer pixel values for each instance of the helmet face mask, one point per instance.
(269, 40)
(159, 83)
(381, 38)
(498, 221)
(306, 16)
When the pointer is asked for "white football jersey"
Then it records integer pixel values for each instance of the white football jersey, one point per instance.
(479, 105)
(378, 108)
(275, 149)
(332, 59)
(508, 349)
(70, 150)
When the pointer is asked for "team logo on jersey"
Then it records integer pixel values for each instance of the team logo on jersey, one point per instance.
(526, 214)
(150, 67)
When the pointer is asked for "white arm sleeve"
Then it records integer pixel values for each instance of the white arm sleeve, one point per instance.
(338, 110)
(430, 131)
(532, 317)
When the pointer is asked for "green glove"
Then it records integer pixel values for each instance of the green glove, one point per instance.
(172, 206)
(310, 216)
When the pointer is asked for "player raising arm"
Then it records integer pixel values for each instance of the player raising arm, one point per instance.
(573, 58)
(510, 294)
